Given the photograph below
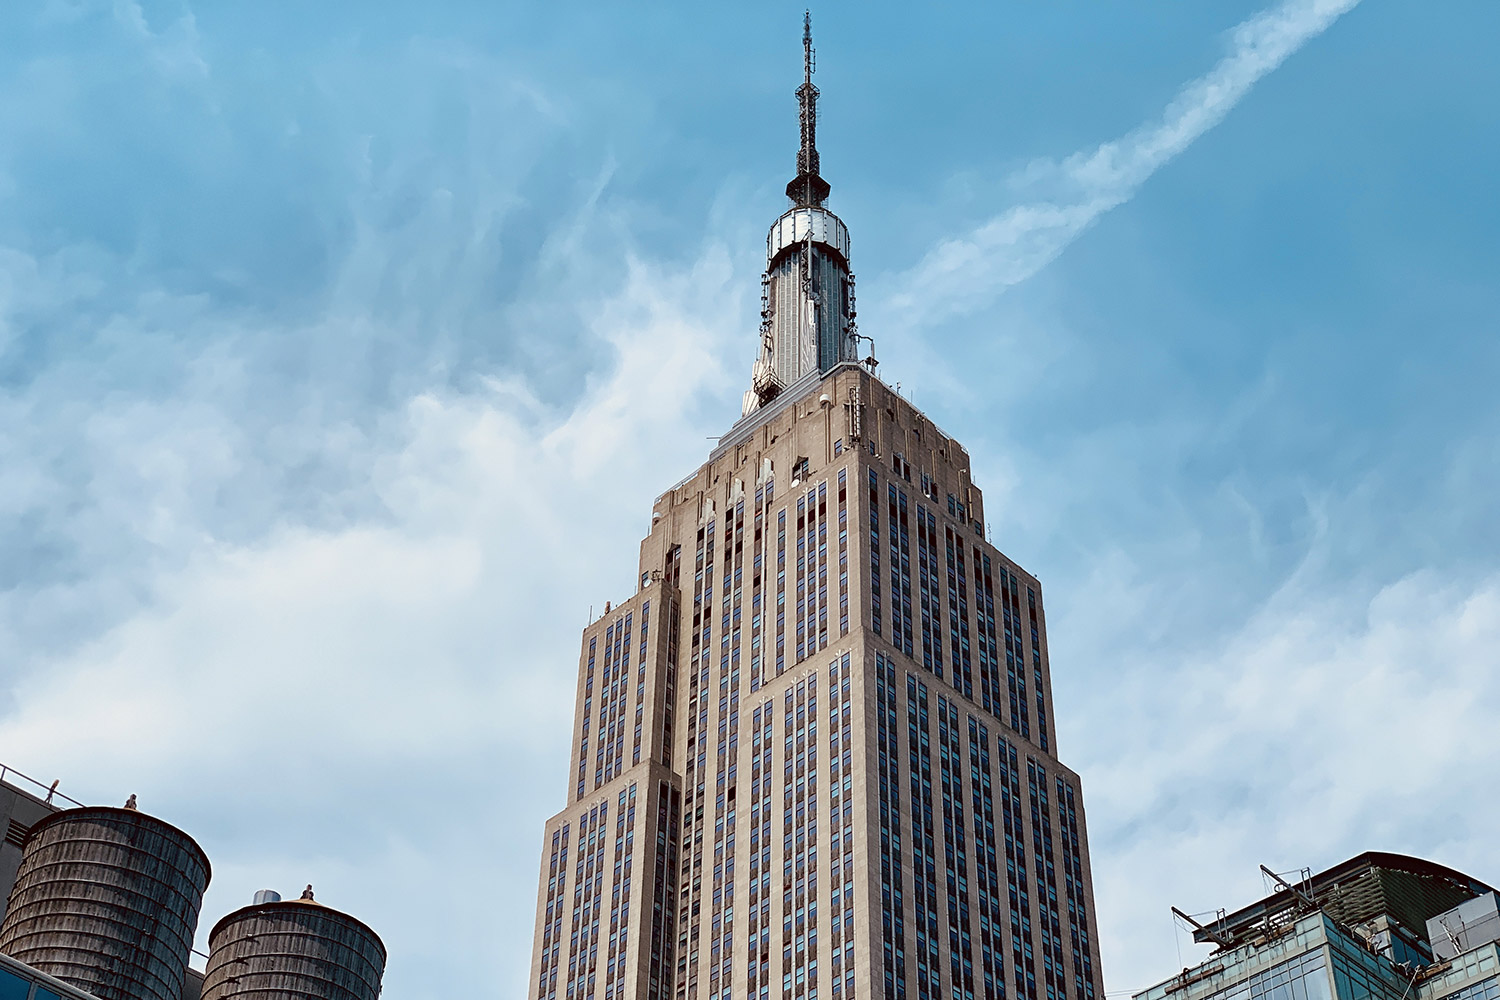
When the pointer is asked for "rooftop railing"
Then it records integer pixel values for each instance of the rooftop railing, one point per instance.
(47, 793)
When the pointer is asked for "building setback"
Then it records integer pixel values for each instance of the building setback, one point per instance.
(814, 755)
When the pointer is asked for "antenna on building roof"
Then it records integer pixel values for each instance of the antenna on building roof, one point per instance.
(1217, 938)
(808, 188)
(1306, 900)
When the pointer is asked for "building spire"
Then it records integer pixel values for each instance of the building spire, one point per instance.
(808, 189)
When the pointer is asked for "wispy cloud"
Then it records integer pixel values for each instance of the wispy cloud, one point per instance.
(963, 273)
(175, 50)
(283, 546)
(282, 570)
(388, 646)
(1333, 721)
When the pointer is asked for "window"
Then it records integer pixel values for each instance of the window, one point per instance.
(12, 986)
(901, 466)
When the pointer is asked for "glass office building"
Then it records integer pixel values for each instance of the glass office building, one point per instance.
(1378, 927)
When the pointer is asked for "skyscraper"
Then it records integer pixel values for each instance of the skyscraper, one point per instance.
(814, 755)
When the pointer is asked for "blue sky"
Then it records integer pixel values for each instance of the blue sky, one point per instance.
(330, 336)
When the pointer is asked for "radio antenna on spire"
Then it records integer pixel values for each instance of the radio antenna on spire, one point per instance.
(809, 56)
(808, 189)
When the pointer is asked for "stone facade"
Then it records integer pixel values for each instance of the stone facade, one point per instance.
(814, 755)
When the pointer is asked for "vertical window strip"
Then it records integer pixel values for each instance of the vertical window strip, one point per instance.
(927, 578)
(721, 919)
(963, 671)
(640, 683)
(691, 888)
(822, 579)
(953, 547)
(923, 844)
(1078, 926)
(669, 700)
(619, 914)
(888, 772)
(986, 863)
(875, 543)
(1015, 656)
(589, 882)
(1036, 663)
(780, 592)
(841, 819)
(757, 972)
(955, 854)
(664, 870)
(803, 556)
(901, 619)
(768, 744)
(588, 694)
(843, 930)
(1046, 880)
(1023, 969)
(757, 601)
(799, 840)
(604, 733)
(557, 877)
(843, 552)
(989, 646)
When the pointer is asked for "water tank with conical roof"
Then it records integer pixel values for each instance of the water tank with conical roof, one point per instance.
(107, 900)
(293, 949)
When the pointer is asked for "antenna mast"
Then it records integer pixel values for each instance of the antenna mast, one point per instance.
(808, 189)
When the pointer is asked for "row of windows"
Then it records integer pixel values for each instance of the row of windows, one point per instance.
(614, 682)
(923, 850)
(757, 972)
(588, 881)
(664, 902)
(811, 574)
(888, 773)
(808, 552)
(949, 582)
(593, 960)
(619, 913)
(971, 887)
(1485, 989)
(690, 894)
(1078, 919)
(1046, 880)
(841, 813)
(799, 845)
(557, 877)
(955, 852)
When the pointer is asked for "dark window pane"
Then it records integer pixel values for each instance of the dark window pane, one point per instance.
(12, 986)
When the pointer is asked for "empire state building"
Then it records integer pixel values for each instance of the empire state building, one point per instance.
(814, 755)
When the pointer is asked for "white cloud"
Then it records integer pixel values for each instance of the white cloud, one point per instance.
(965, 272)
(318, 622)
(175, 50)
(339, 684)
(1333, 722)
